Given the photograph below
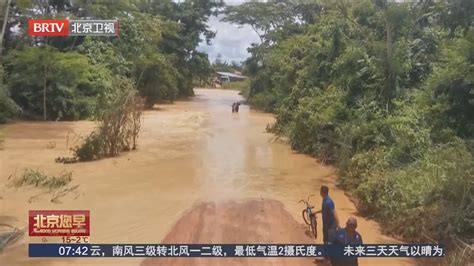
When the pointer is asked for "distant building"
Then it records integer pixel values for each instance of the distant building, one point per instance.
(236, 72)
(229, 77)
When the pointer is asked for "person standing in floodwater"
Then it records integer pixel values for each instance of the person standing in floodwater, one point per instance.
(233, 107)
(330, 219)
(237, 104)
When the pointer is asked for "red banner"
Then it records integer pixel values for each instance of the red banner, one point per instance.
(59, 223)
(48, 27)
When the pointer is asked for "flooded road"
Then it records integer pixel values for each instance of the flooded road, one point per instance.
(190, 152)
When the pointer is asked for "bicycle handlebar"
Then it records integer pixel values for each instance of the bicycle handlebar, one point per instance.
(303, 201)
(306, 201)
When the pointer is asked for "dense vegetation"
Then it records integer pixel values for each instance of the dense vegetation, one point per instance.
(383, 90)
(237, 85)
(117, 131)
(59, 78)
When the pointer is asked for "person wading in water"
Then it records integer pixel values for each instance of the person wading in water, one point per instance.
(235, 107)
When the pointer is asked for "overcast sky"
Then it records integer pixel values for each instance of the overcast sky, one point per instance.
(231, 41)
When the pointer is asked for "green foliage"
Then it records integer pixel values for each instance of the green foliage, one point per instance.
(266, 18)
(384, 91)
(184, 27)
(452, 86)
(39, 179)
(313, 122)
(108, 9)
(8, 108)
(223, 66)
(62, 82)
(201, 66)
(266, 101)
(242, 86)
(156, 52)
(92, 148)
(104, 53)
(457, 15)
(118, 129)
(439, 184)
(158, 80)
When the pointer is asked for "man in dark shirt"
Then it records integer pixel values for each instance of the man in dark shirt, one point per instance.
(347, 236)
(237, 105)
(330, 219)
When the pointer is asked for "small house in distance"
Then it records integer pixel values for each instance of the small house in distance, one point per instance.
(229, 77)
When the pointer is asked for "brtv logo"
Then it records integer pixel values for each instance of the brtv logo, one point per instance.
(48, 27)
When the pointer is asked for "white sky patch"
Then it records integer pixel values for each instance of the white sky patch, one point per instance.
(231, 41)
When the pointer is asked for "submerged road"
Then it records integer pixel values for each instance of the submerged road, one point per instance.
(201, 173)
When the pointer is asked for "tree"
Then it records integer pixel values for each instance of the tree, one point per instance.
(54, 84)
(221, 65)
(456, 14)
(8, 108)
(4, 24)
(188, 23)
(268, 18)
(383, 90)
(156, 52)
(218, 60)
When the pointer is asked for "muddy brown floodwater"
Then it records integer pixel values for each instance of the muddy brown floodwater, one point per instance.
(196, 159)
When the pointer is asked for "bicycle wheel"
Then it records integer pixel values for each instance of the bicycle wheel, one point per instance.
(314, 226)
(304, 213)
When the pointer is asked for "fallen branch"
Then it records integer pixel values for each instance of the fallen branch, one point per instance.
(11, 237)
(62, 193)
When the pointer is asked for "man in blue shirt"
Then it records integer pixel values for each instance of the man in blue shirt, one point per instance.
(347, 236)
(330, 219)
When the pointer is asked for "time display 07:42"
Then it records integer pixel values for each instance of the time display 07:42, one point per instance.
(74, 251)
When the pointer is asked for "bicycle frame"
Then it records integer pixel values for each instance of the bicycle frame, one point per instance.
(308, 209)
(308, 206)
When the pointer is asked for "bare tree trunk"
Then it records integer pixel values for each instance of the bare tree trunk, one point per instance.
(4, 26)
(389, 84)
(44, 92)
(73, 43)
(388, 38)
(140, 79)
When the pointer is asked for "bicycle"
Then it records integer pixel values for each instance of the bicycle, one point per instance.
(309, 217)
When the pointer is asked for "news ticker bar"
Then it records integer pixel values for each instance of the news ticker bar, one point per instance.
(233, 250)
(66, 27)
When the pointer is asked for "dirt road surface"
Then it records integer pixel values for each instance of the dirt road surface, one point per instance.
(197, 166)
(265, 221)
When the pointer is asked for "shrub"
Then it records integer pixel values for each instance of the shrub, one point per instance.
(39, 179)
(118, 129)
(92, 148)
(314, 126)
(439, 184)
(242, 86)
(266, 101)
